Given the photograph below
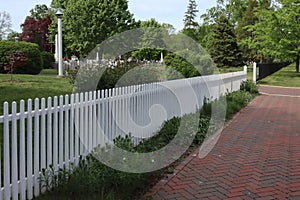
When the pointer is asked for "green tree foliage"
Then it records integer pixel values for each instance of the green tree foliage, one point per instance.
(190, 24)
(277, 32)
(41, 11)
(190, 15)
(222, 44)
(178, 67)
(13, 35)
(244, 34)
(34, 61)
(87, 23)
(48, 59)
(169, 27)
(150, 40)
(5, 24)
(232, 9)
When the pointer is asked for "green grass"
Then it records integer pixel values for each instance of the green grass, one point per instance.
(31, 86)
(49, 71)
(286, 77)
(236, 69)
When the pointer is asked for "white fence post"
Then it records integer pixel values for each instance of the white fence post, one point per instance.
(254, 72)
(245, 69)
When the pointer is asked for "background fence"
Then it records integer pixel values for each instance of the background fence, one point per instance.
(56, 131)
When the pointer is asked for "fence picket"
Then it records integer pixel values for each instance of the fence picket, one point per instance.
(6, 153)
(90, 122)
(49, 131)
(14, 153)
(76, 129)
(81, 127)
(61, 132)
(72, 144)
(66, 134)
(22, 166)
(29, 150)
(55, 134)
(36, 148)
(43, 136)
(86, 123)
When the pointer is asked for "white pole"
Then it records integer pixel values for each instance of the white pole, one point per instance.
(56, 48)
(60, 64)
(97, 57)
(254, 72)
(245, 69)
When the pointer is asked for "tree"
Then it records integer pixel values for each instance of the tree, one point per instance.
(13, 35)
(277, 32)
(5, 24)
(190, 23)
(151, 37)
(244, 34)
(87, 23)
(190, 16)
(232, 9)
(17, 59)
(222, 44)
(36, 31)
(41, 11)
(170, 28)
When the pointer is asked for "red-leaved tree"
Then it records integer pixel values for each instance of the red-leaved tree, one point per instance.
(16, 59)
(36, 31)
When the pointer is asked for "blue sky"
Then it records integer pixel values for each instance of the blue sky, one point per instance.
(164, 11)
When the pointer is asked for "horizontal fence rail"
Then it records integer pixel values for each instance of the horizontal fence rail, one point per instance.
(56, 131)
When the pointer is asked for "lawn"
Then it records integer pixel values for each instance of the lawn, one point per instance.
(236, 69)
(49, 71)
(286, 77)
(31, 86)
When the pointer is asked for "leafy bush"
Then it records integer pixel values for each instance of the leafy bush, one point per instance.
(249, 86)
(236, 101)
(48, 59)
(99, 77)
(34, 61)
(179, 67)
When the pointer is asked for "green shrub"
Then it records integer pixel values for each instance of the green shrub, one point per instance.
(34, 62)
(249, 86)
(48, 59)
(236, 101)
(179, 67)
(93, 77)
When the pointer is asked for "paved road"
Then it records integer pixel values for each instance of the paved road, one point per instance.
(256, 157)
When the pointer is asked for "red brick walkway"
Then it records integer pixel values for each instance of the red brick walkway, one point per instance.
(256, 157)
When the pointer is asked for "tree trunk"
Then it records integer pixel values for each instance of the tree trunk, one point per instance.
(297, 63)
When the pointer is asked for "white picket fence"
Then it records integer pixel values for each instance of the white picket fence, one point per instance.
(58, 130)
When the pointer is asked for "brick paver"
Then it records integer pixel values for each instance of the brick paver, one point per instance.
(256, 157)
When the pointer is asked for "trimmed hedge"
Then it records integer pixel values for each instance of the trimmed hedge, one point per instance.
(48, 59)
(34, 63)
